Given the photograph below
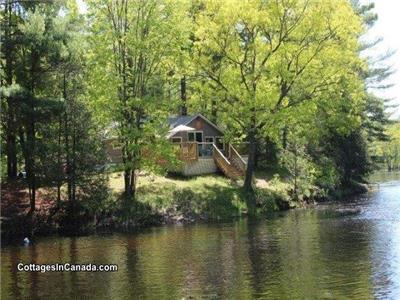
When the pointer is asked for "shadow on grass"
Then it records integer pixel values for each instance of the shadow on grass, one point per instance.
(211, 202)
(134, 214)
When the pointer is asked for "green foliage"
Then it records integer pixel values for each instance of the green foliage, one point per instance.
(44, 95)
(285, 76)
(206, 197)
(271, 62)
(134, 48)
(350, 155)
(267, 200)
(327, 177)
(300, 169)
(389, 151)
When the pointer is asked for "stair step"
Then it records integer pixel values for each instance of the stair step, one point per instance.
(228, 166)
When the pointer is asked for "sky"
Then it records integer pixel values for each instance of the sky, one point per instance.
(81, 6)
(387, 27)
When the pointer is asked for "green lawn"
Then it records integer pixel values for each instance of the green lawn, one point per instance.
(213, 196)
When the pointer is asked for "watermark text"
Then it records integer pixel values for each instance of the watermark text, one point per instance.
(66, 267)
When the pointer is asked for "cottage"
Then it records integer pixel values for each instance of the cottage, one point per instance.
(201, 147)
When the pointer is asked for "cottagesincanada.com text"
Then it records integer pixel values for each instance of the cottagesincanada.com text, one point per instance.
(66, 267)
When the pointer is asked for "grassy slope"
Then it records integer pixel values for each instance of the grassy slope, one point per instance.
(209, 196)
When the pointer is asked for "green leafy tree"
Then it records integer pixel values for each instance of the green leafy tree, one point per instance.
(389, 151)
(58, 141)
(274, 56)
(9, 43)
(37, 51)
(134, 46)
(300, 167)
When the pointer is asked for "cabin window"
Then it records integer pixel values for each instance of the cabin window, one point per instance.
(219, 142)
(190, 136)
(176, 140)
(195, 136)
(209, 139)
(116, 146)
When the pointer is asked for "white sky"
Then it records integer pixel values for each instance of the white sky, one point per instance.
(81, 6)
(387, 27)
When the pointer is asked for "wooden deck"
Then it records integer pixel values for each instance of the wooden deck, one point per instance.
(231, 163)
(188, 151)
(232, 166)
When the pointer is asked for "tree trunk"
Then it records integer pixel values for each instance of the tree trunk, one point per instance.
(73, 164)
(248, 181)
(67, 160)
(11, 155)
(31, 136)
(183, 97)
(60, 169)
(284, 137)
(257, 154)
(127, 159)
(30, 168)
(11, 148)
(251, 161)
(8, 68)
(214, 110)
(26, 154)
(67, 145)
(127, 183)
(296, 173)
(31, 153)
(133, 184)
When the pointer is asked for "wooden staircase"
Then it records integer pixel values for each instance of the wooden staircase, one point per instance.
(232, 166)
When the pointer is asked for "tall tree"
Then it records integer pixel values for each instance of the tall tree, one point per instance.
(36, 52)
(348, 149)
(139, 39)
(275, 55)
(10, 20)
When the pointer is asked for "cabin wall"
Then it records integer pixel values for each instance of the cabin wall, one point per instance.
(113, 153)
(200, 167)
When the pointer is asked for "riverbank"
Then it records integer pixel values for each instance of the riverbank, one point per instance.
(160, 200)
(299, 254)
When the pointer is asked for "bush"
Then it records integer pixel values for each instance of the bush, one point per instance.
(186, 202)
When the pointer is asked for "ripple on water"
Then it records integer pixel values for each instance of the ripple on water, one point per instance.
(348, 250)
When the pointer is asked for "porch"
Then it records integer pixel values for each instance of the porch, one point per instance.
(206, 157)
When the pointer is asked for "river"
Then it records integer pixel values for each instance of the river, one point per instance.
(319, 253)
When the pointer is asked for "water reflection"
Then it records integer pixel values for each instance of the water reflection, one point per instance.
(385, 241)
(304, 254)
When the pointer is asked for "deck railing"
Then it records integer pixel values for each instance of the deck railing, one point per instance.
(188, 151)
(225, 165)
(194, 150)
(236, 159)
(205, 149)
(241, 148)
(221, 161)
(229, 161)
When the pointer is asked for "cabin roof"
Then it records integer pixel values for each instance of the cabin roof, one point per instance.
(180, 120)
(185, 120)
(110, 131)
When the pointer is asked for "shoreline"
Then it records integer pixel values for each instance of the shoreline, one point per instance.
(16, 228)
(164, 201)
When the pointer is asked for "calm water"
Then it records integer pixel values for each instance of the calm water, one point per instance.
(305, 254)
